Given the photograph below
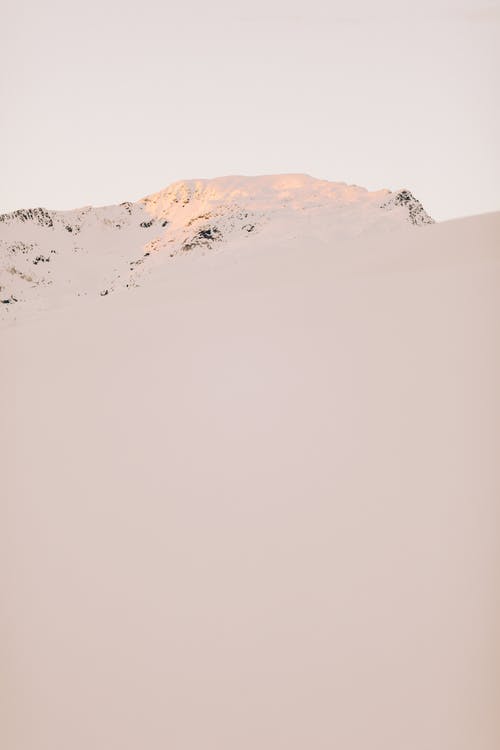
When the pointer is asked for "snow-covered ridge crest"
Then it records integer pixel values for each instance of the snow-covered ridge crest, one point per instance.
(270, 192)
(48, 255)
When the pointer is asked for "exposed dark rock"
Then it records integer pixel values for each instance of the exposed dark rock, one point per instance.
(38, 215)
(41, 259)
(212, 233)
(416, 212)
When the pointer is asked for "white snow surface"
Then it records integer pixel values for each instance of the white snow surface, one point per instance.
(51, 258)
(253, 502)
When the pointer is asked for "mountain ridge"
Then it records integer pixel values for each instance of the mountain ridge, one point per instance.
(47, 254)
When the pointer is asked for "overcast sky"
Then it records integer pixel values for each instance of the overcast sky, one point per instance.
(109, 100)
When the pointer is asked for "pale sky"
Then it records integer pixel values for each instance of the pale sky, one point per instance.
(106, 101)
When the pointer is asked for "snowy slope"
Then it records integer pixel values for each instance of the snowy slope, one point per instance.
(51, 258)
(254, 502)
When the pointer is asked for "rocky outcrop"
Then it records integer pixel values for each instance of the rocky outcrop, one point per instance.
(417, 215)
(39, 216)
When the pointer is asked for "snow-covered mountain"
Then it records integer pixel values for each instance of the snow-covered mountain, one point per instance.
(252, 502)
(50, 257)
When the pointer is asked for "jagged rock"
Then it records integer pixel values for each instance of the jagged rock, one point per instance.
(40, 216)
(416, 212)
